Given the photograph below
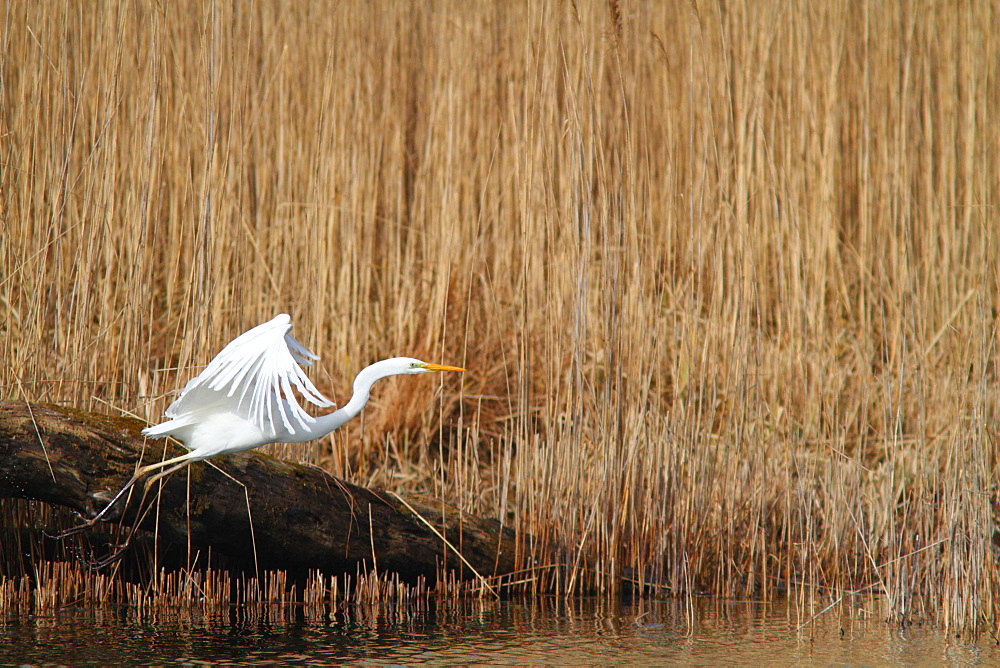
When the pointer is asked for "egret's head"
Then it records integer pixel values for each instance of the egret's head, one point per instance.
(411, 365)
(393, 367)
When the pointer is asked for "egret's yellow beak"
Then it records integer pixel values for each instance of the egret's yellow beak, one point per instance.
(440, 367)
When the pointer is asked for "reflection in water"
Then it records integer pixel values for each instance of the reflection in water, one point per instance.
(544, 631)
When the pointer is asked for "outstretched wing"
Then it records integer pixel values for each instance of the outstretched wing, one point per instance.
(253, 377)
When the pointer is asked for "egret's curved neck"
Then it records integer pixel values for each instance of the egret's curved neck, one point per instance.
(362, 389)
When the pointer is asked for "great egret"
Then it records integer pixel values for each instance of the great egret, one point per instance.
(243, 400)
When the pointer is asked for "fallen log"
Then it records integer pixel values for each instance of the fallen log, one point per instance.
(302, 518)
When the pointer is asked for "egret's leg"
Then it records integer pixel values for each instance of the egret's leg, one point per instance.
(97, 518)
(163, 474)
(135, 478)
(141, 516)
(187, 456)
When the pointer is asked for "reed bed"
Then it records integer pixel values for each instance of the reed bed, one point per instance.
(725, 275)
(212, 594)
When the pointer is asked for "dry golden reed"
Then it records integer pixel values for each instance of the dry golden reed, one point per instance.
(725, 275)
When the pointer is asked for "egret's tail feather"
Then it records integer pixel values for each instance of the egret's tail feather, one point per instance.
(169, 428)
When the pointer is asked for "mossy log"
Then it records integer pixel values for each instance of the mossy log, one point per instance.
(302, 518)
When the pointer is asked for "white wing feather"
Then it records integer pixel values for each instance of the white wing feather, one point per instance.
(253, 377)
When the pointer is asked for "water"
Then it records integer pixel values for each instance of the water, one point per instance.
(543, 632)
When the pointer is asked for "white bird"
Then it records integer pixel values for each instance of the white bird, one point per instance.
(243, 400)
